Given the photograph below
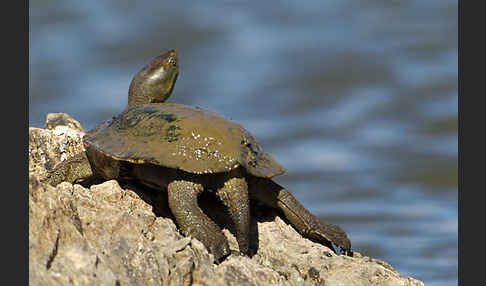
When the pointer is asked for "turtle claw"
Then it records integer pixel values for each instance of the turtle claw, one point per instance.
(330, 233)
(220, 251)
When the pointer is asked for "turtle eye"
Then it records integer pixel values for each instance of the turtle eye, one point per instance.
(173, 62)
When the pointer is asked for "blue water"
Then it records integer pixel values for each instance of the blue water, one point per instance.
(358, 100)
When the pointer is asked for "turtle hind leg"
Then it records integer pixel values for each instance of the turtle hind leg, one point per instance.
(274, 195)
(182, 197)
(234, 194)
(71, 170)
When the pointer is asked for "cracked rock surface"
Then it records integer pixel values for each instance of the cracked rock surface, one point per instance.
(107, 234)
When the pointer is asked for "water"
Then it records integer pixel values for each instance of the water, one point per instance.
(358, 100)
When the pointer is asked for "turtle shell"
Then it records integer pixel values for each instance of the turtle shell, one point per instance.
(178, 136)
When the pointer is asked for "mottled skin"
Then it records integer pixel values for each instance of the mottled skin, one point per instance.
(186, 151)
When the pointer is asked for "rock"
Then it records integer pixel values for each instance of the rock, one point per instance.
(62, 119)
(49, 147)
(109, 234)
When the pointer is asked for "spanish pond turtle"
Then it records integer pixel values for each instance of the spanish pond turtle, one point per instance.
(185, 151)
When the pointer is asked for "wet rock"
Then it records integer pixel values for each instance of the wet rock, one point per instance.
(109, 234)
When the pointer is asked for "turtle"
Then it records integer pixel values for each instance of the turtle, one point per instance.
(186, 151)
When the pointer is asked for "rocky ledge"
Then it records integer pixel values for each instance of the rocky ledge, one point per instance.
(107, 234)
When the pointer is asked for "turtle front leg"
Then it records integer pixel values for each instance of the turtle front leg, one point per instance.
(274, 195)
(73, 169)
(191, 219)
(234, 195)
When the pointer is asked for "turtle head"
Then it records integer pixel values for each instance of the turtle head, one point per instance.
(155, 81)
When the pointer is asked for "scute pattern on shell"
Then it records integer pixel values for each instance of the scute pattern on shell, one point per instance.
(183, 137)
